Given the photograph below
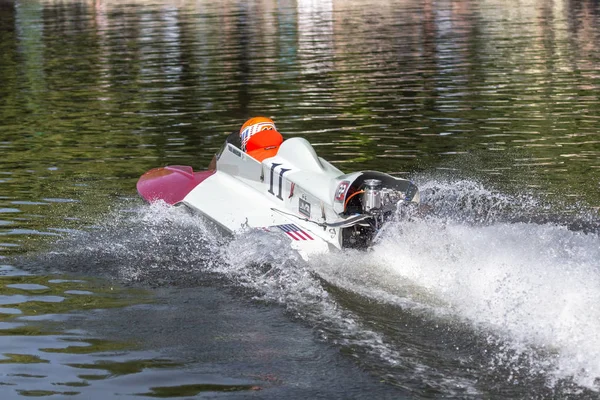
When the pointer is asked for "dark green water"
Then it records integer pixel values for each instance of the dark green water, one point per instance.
(491, 107)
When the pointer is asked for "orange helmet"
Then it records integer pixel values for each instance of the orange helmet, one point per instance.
(257, 120)
(260, 138)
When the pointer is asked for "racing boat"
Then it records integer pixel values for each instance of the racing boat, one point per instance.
(296, 193)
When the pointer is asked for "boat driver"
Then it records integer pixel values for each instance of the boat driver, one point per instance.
(258, 138)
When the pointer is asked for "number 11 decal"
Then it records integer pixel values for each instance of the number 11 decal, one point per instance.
(281, 172)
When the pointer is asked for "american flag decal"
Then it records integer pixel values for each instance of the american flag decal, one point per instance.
(294, 232)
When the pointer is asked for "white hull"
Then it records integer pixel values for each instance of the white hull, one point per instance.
(296, 193)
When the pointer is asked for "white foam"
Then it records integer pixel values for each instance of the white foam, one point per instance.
(534, 286)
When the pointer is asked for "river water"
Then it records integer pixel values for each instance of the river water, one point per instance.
(491, 107)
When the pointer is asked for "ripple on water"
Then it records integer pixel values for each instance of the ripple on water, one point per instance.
(12, 311)
(79, 292)
(27, 286)
(20, 299)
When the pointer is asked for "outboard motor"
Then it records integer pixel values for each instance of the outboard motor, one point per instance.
(380, 196)
(372, 195)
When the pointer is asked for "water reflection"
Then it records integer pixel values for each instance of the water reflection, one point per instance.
(32, 335)
(315, 36)
(406, 82)
(94, 93)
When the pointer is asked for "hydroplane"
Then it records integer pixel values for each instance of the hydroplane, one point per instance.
(295, 193)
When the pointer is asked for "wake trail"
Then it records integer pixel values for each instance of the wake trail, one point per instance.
(477, 256)
(532, 288)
